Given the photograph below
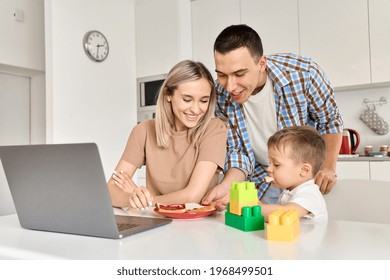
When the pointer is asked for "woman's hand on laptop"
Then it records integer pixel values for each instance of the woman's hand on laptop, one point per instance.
(124, 182)
(141, 198)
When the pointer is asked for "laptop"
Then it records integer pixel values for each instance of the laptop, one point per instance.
(62, 188)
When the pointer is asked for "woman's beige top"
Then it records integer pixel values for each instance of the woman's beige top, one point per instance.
(169, 169)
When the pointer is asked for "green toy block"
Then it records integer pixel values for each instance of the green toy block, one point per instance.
(243, 192)
(250, 220)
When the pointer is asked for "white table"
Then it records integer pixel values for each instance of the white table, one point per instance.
(206, 238)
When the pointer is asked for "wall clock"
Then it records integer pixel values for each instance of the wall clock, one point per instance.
(96, 46)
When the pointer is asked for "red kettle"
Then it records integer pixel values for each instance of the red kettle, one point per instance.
(350, 141)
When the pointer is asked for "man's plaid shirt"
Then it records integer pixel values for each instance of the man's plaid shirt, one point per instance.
(303, 96)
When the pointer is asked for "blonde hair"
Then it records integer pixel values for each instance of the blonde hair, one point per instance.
(182, 72)
(305, 143)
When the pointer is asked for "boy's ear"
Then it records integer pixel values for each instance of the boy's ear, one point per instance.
(306, 169)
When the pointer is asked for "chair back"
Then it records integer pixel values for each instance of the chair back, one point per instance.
(359, 200)
(6, 203)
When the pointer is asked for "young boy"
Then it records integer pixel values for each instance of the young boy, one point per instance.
(296, 154)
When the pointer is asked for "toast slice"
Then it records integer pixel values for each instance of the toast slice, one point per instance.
(268, 179)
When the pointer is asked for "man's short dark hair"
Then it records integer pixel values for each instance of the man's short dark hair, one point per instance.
(238, 36)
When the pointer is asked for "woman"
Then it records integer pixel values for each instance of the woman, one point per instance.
(183, 148)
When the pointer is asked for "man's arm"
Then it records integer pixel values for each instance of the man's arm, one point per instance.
(220, 193)
(325, 112)
(238, 163)
(326, 177)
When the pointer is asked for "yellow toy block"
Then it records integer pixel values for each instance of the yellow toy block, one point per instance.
(283, 225)
(236, 206)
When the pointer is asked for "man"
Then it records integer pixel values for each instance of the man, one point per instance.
(259, 95)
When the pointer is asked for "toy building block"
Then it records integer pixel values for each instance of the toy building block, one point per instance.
(250, 220)
(283, 225)
(242, 194)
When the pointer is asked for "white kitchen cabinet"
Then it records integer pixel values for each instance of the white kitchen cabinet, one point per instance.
(379, 11)
(156, 36)
(275, 21)
(347, 38)
(353, 170)
(209, 18)
(380, 170)
(162, 31)
(335, 34)
(369, 170)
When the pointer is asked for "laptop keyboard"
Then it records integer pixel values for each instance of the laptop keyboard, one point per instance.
(124, 226)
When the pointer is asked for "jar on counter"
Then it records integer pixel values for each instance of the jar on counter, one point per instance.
(367, 150)
(384, 149)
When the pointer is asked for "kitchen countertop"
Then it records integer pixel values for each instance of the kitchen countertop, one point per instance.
(361, 158)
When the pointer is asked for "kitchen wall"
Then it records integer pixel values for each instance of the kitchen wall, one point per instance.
(351, 106)
(88, 101)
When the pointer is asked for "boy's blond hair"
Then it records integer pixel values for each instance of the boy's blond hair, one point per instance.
(305, 143)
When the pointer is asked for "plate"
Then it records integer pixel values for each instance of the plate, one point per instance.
(187, 215)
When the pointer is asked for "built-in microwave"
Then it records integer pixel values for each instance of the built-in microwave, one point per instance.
(147, 92)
